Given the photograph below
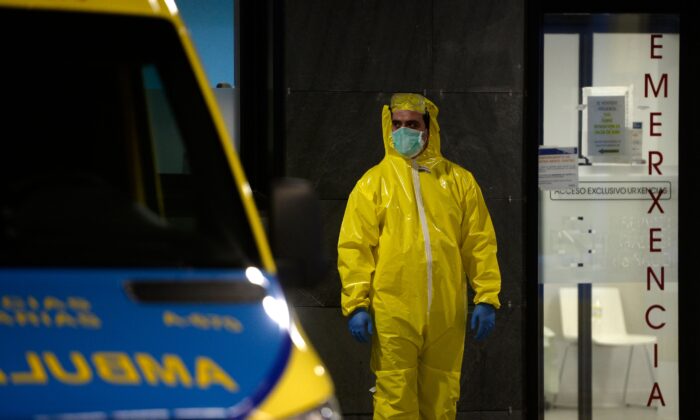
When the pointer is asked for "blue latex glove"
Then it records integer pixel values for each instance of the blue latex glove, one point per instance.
(360, 325)
(485, 317)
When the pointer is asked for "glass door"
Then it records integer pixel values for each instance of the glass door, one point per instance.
(608, 184)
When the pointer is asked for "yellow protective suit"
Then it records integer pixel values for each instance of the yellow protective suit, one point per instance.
(413, 232)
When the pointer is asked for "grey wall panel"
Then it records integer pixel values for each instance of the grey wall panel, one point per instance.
(507, 221)
(482, 132)
(503, 362)
(346, 360)
(333, 138)
(343, 60)
(492, 369)
(503, 415)
(478, 45)
(364, 45)
(327, 292)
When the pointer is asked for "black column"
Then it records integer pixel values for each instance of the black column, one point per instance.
(260, 78)
(689, 231)
(585, 355)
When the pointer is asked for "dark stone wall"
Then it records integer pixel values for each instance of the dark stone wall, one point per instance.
(343, 61)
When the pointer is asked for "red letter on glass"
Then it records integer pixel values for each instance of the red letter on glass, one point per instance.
(653, 239)
(656, 165)
(651, 273)
(656, 395)
(656, 199)
(646, 316)
(655, 89)
(653, 123)
(654, 46)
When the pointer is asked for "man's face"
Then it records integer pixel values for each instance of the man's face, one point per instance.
(405, 118)
(410, 119)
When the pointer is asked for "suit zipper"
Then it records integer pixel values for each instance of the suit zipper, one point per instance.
(424, 227)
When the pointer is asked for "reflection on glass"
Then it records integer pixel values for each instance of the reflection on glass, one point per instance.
(611, 86)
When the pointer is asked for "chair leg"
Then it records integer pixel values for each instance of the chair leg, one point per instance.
(561, 372)
(627, 376)
(651, 369)
(652, 376)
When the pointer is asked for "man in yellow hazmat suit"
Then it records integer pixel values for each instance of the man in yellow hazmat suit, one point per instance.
(415, 230)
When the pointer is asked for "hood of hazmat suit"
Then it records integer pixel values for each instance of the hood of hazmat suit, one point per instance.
(414, 232)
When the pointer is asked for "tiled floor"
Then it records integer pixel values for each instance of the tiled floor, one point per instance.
(622, 413)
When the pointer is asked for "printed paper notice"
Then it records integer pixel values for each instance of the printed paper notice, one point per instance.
(558, 168)
(606, 127)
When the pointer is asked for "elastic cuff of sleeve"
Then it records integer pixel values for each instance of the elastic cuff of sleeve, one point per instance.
(358, 309)
(495, 304)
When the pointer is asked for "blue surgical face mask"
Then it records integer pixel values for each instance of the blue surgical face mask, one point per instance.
(408, 142)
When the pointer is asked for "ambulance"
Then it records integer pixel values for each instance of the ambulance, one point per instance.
(136, 276)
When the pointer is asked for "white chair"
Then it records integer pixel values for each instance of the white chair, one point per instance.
(607, 326)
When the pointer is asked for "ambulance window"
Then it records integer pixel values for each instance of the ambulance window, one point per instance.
(170, 164)
(109, 153)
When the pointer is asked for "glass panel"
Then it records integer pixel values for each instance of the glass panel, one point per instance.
(609, 214)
